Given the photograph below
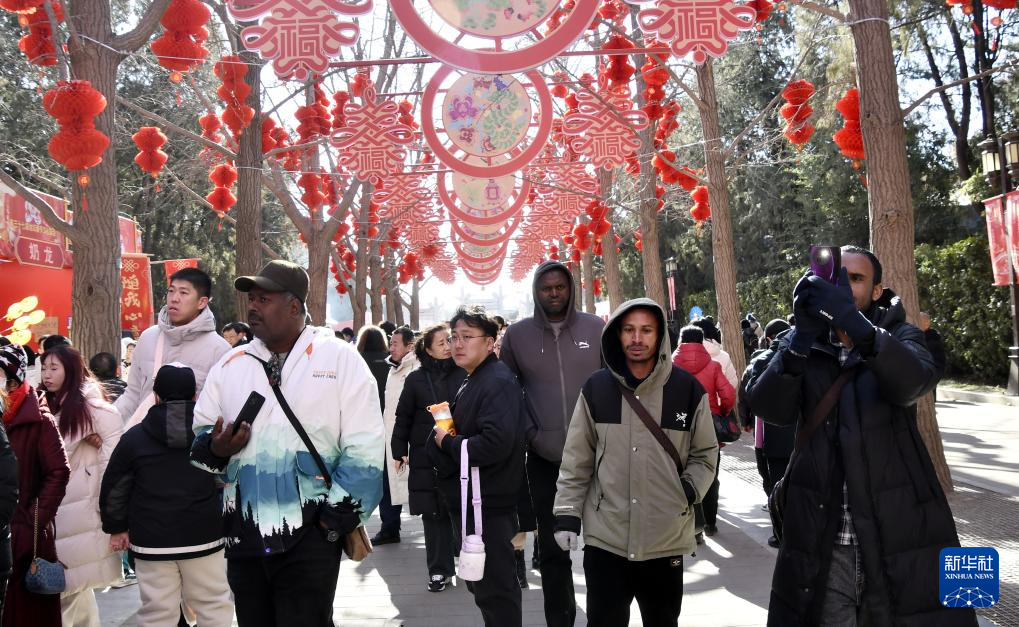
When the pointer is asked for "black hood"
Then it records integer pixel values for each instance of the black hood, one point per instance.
(539, 313)
(170, 423)
(887, 311)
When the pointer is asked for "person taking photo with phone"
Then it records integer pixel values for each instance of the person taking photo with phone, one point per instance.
(863, 519)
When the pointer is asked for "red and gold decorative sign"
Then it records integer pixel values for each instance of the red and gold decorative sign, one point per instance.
(136, 294)
(299, 36)
(173, 266)
(697, 27)
(604, 126)
(371, 143)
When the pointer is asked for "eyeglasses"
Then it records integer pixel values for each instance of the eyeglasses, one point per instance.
(461, 339)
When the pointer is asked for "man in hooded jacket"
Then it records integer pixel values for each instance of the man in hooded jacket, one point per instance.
(185, 333)
(618, 482)
(552, 353)
(865, 518)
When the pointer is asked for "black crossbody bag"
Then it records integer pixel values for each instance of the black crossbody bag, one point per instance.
(356, 544)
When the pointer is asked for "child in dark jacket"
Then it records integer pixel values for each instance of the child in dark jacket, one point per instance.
(168, 513)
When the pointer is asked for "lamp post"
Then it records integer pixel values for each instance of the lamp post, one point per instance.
(998, 156)
(671, 267)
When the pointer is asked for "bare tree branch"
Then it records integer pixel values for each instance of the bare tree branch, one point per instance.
(62, 226)
(168, 125)
(823, 10)
(274, 181)
(139, 35)
(916, 103)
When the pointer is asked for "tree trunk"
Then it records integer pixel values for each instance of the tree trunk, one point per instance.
(375, 270)
(95, 288)
(723, 257)
(248, 210)
(578, 291)
(609, 256)
(889, 194)
(392, 286)
(588, 267)
(318, 273)
(359, 294)
(415, 304)
(654, 286)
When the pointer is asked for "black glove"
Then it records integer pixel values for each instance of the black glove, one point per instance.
(342, 517)
(808, 327)
(835, 303)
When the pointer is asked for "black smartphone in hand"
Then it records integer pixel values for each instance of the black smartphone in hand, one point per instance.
(251, 408)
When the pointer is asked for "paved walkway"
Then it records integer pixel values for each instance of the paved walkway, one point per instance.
(727, 583)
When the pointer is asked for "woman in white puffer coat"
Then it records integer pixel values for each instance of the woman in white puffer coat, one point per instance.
(91, 428)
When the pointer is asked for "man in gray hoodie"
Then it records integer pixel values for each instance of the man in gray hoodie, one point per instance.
(552, 353)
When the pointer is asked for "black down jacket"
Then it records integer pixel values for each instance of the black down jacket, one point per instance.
(869, 441)
(413, 427)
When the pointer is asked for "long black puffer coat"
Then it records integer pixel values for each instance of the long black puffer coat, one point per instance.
(413, 426)
(869, 441)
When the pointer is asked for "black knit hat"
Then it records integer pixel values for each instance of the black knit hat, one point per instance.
(175, 382)
(775, 327)
(13, 362)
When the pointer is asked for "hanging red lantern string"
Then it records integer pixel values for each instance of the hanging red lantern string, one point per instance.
(38, 43)
(797, 112)
(78, 145)
(638, 243)
(223, 176)
(314, 123)
(150, 158)
(361, 80)
(23, 7)
(618, 70)
(407, 114)
(668, 123)
(701, 210)
(655, 76)
(339, 117)
(664, 162)
(268, 126)
(596, 286)
(234, 93)
(559, 89)
(849, 138)
(312, 197)
(181, 46)
(762, 10)
(211, 124)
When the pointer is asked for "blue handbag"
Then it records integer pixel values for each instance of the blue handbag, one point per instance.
(43, 576)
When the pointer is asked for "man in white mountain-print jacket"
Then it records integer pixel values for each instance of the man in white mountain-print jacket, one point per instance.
(286, 518)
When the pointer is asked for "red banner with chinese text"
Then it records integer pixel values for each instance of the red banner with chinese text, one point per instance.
(136, 295)
(174, 265)
(26, 237)
(1003, 235)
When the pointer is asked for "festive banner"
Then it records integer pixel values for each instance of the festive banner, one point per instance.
(1012, 227)
(174, 265)
(136, 295)
(26, 237)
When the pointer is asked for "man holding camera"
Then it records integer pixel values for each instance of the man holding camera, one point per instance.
(864, 517)
(287, 518)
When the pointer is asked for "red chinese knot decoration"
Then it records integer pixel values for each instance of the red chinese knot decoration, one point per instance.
(372, 140)
(700, 27)
(299, 36)
(604, 127)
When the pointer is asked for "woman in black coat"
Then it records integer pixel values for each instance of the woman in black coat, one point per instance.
(437, 380)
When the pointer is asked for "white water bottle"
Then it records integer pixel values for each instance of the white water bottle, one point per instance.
(472, 550)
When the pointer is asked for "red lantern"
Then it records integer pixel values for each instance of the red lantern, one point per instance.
(223, 176)
(78, 145)
(150, 158)
(20, 6)
(234, 92)
(797, 112)
(762, 9)
(849, 138)
(38, 43)
(701, 210)
(180, 48)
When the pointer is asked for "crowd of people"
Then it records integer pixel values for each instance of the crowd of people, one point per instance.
(228, 472)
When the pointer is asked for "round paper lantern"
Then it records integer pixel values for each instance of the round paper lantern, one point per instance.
(180, 48)
(849, 138)
(78, 145)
